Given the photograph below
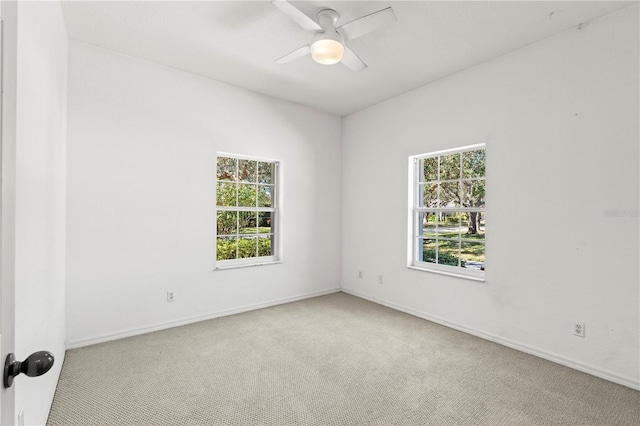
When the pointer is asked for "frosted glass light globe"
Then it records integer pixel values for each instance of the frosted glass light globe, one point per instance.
(327, 51)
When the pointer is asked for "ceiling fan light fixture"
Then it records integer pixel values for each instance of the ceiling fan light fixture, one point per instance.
(328, 45)
(327, 51)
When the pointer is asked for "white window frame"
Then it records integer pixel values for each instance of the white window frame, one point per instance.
(276, 217)
(414, 248)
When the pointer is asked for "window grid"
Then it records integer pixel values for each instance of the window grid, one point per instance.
(442, 202)
(246, 212)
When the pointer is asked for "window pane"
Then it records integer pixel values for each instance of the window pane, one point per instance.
(448, 252)
(428, 221)
(227, 222)
(430, 169)
(428, 252)
(265, 245)
(450, 194)
(265, 195)
(429, 195)
(473, 255)
(473, 163)
(246, 195)
(265, 225)
(226, 168)
(265, 172)
(247, 223)
(247, 170)
(226, 194)
(226, 248)
(449, 225)
(450, 167)
(473, 223)
(473, 193)
(247, 247)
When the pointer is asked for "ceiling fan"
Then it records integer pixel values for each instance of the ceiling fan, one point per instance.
(328, 45)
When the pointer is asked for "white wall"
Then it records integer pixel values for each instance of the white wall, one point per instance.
(40, 199)
(141, 170)
(560, 119)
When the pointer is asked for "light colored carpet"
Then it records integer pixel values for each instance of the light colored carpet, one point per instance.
(331, 360)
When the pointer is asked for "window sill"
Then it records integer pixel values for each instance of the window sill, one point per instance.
(246, 265)
(451, 274)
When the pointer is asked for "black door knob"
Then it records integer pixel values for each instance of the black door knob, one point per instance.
(35, 365)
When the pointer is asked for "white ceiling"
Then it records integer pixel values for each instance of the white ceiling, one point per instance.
(237, 42)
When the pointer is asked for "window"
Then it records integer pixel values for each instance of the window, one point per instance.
(448, 211)
(246, 212)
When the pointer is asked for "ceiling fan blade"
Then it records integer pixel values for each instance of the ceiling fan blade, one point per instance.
(351, 60)
(367, 24)
(296, 15)
(298, 53)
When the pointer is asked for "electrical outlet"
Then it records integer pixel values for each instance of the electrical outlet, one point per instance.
(170, 296)
(379, 279)
(360, 274)
(578, 329)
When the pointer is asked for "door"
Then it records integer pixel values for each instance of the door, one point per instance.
(1, 280)
(8, 75)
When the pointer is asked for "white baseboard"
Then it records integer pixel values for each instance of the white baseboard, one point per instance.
(73, 344)
(558, 359)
